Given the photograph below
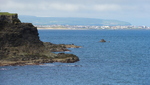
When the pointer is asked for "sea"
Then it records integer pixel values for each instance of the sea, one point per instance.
(124, 59)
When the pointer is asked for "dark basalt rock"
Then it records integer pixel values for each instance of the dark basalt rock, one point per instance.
(19, 42)
(66, 58)
(102, 40)
(55, 47)
(59, 47)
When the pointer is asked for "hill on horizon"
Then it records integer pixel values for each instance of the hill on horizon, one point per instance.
(71, 21)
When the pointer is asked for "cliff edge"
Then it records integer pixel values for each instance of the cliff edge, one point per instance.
(20, 44)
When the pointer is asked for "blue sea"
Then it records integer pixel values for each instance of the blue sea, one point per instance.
(123, 60)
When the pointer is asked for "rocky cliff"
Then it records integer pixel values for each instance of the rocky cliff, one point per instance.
(20, 44)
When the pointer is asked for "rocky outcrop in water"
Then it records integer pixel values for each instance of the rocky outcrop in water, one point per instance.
(102, 40)
(20, 44)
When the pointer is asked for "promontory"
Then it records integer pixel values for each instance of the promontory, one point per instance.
(20, 44)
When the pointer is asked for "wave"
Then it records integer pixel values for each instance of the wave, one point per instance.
(3, 69)
(52, 65)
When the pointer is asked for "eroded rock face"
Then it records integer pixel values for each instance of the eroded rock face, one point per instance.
(19, 35)
(19, 42)
(18, 39)
(9, 19)
(14, 33)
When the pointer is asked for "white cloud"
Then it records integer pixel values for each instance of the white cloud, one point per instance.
(107, 7)
(73, 5)
(116, 9)
(40, 6)
(63, 7)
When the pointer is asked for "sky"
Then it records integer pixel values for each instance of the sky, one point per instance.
(137, 12)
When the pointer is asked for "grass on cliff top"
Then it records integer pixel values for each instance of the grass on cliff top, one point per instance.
(6, 13)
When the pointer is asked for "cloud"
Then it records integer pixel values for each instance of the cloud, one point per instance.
(42, 6)
(73, 5)
(107, 7)
(113, 9)
(63, 7)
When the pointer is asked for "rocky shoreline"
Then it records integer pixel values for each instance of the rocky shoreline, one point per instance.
(35, 60)
(64, 58)
(20, 45)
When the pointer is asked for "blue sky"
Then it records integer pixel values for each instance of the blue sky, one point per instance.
(137, 12)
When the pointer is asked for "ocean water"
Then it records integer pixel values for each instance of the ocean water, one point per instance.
(123, 60)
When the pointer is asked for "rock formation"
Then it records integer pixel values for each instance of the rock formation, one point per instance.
(102, 40)
(20, 44)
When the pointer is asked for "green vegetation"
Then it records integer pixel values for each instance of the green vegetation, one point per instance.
(7, 13)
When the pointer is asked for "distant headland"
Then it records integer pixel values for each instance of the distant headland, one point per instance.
(73, 23)
(20, 44)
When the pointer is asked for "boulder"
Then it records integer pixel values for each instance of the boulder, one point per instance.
(102, 40)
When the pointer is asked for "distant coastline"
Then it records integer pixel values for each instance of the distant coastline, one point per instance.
(80, 27)
(59, 28)
(46, 28)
